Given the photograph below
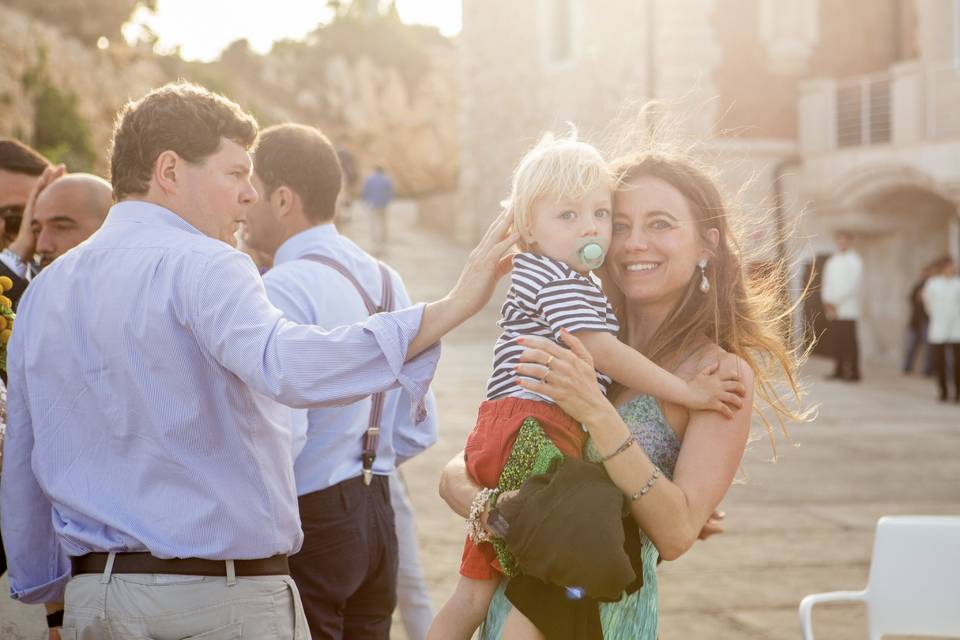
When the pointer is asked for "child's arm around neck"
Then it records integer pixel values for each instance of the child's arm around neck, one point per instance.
(710, 390)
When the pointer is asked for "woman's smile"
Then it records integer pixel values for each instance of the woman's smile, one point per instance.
(640, 267)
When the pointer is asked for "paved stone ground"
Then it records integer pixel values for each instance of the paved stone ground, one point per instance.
(801, 525)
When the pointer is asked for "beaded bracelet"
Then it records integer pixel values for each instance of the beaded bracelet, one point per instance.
(626, 445)
(475, 529)
(643, 490)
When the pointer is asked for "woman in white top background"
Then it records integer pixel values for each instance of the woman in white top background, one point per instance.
(941, 298)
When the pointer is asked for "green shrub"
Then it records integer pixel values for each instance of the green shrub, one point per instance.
(59, 131)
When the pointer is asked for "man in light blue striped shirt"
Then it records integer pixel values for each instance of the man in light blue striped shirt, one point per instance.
(347, 570)
(136, 444)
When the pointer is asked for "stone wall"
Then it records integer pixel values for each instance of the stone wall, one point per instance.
(704, 62)
(101, 80)
(937, 26)
(408, 127)
(512, 92)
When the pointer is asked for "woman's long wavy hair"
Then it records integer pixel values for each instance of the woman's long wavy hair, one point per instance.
(746, 316)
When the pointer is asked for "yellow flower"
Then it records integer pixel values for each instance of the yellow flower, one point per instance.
(5, 301)
(5, 283)
(5, 335)
(3, 322)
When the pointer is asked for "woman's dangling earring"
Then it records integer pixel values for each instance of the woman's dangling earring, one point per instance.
(704, 283)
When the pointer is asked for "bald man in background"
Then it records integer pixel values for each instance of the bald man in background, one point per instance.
(63, 211)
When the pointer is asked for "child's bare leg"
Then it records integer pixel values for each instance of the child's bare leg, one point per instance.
(464, 611)
(518, 627)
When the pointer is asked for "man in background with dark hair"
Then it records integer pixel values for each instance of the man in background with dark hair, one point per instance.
(144, 453)
(347, 570)
(20, 170)
(20, 167)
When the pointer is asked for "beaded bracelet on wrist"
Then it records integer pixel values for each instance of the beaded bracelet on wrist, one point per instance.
(645, 488)
(475, 528)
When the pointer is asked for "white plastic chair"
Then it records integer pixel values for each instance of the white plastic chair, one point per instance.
(914, 583)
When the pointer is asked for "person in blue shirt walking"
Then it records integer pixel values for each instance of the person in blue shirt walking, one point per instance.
(377, 193)
(136, 446)
(347, 569)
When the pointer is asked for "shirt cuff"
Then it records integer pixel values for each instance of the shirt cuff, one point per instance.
(14, 262)
(48, 592)
(394, 332)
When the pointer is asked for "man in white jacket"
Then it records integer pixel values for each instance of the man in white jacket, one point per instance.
(842, 278)
(941, 298)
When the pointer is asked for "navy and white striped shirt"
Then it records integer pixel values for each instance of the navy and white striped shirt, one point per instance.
(132, 419)
(545, 296)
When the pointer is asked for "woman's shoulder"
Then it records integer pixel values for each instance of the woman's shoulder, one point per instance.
(706, 352)
(736, 363)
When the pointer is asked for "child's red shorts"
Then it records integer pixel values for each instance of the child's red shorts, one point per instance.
(488, 448)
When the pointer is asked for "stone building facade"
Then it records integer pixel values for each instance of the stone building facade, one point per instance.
(852, 107)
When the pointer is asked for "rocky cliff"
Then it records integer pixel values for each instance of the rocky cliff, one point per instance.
(384, 114)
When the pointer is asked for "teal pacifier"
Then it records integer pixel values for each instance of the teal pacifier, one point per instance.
(591, 254)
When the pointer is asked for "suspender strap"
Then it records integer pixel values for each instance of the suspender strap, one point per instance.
(371, 438)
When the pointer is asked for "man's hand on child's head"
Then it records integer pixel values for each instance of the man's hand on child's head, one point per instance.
(487, 264)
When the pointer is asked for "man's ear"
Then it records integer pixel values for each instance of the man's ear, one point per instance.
(165, 170)
(284, 200)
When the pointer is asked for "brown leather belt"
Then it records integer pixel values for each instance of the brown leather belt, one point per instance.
(146, 563)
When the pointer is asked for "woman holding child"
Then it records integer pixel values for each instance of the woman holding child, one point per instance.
(674, 277)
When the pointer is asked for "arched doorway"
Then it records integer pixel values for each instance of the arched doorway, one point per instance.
(912, 227)
(897, 227)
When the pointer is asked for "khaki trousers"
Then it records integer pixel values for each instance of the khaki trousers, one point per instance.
(169, 607)
(379, 230)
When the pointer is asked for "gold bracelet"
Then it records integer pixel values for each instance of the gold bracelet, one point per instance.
(643, 490)
(626, 445)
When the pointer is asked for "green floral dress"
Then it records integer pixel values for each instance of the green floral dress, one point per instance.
(636, 616)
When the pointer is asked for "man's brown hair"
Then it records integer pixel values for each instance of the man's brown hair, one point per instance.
(303, 159)
(17, 157)
(181, 117)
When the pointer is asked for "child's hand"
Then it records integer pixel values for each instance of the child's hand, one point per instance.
(714, 390)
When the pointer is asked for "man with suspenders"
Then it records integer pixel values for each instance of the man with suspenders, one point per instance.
(347, 569)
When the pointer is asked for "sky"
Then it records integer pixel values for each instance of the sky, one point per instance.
(202, 28)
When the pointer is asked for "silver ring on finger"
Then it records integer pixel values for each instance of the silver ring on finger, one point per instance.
(544, 378)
